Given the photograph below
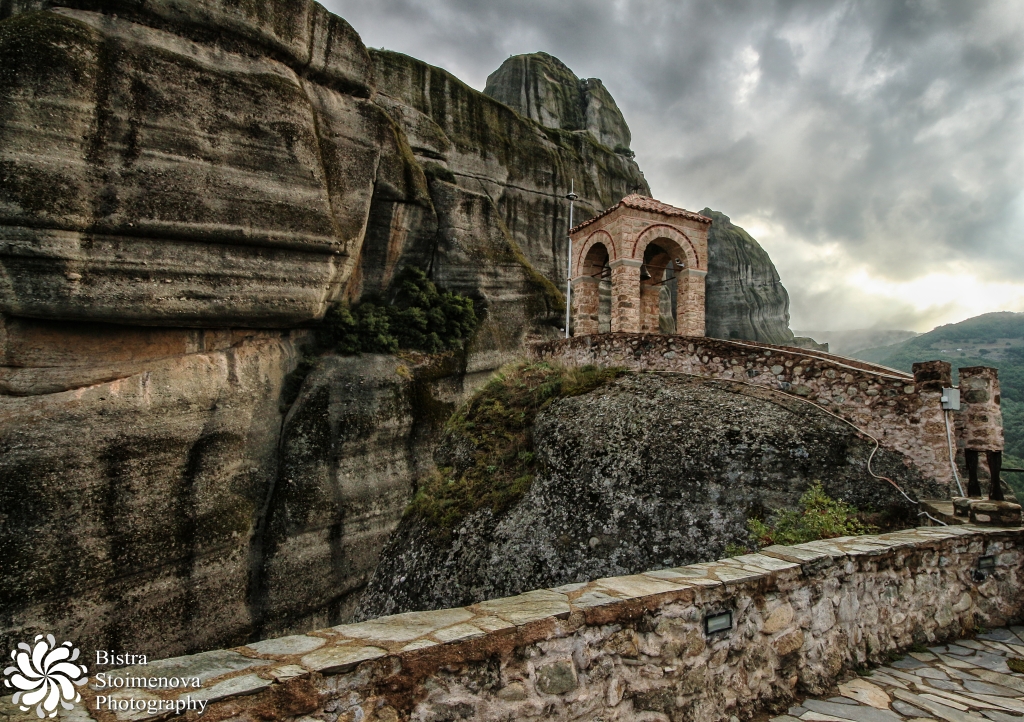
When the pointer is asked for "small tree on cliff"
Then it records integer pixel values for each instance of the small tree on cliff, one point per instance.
(422, 317)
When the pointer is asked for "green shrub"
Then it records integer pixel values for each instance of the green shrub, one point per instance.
(496, 426)
(422, 317)
(819, 516)
(732, 549)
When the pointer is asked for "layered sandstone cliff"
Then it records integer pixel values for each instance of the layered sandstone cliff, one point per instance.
(745, 296)
(544, 89)
(185, 188)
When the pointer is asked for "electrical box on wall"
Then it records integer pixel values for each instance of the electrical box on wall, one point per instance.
(951, 399)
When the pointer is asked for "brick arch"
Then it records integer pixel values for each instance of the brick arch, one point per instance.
(603, 237)
(671, 233)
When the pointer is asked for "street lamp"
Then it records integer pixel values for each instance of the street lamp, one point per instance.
(568, 268)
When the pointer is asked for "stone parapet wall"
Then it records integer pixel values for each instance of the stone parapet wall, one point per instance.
(628, 648)
(903, 416)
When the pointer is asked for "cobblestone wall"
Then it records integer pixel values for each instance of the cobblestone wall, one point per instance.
(981, 418)
(629, 648)
(903, 415)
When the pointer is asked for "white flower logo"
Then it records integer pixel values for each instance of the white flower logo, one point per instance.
(45, 675)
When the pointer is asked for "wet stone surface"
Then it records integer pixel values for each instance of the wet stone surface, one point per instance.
(969, 681)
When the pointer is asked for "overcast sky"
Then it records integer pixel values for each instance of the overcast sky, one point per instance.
(875, 149)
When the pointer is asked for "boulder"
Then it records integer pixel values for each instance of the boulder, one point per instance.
(651, 471)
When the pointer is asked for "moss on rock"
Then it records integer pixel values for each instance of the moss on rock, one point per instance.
(487, 453)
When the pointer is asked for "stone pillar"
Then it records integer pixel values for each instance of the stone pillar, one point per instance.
(979, 409)
(690, 302)
(585, 305)
(982, 424)
(625, 295)
(933, 376)
(650, 308)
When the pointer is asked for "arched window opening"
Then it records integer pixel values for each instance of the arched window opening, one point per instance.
(663, 259)
(593, 293)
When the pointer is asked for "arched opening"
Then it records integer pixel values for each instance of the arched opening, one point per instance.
(596, 266)
(593, 290)
(596, 261)
(659, 297)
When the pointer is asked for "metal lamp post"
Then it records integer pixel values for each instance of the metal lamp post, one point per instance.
(568, 268)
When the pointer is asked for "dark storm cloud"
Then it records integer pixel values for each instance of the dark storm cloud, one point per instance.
(887, 135)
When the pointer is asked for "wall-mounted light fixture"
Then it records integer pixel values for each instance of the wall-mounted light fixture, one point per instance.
(986, 565)
(717, 622)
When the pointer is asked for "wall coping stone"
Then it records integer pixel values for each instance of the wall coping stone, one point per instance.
(414, 645)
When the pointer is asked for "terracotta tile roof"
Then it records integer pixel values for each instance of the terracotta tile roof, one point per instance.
(643, 203)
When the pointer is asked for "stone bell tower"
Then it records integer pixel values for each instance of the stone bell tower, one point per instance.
(650, 258)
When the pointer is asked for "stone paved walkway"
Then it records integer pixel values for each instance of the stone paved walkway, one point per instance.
(966, 681)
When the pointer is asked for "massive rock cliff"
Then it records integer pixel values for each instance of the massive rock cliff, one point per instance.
(650, 471)
(544, 89)
(184, 189)
(745, 297)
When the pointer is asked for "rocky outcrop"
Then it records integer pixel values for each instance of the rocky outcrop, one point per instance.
(649, 471)
(184, 189)
(153, 178)
(541, 87)
(484, 147)
(745, 298)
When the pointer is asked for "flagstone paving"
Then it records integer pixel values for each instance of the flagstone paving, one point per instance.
(969, 681)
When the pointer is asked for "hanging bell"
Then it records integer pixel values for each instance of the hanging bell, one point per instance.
(644, 274)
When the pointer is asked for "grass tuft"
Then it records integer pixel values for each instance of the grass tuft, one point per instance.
(494, 429)
(819, 516)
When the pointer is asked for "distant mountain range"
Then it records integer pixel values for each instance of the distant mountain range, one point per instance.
(993, 339)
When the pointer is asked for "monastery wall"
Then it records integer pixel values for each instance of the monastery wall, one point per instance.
(902, 411)
(625, 648)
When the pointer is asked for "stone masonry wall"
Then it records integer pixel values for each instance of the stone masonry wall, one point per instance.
(981, 416)
(625, 648)
(887, 404)
(586, 305)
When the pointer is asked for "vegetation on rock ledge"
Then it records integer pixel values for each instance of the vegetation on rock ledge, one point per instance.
(491, 437)
(819, 516)
(422, 317)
